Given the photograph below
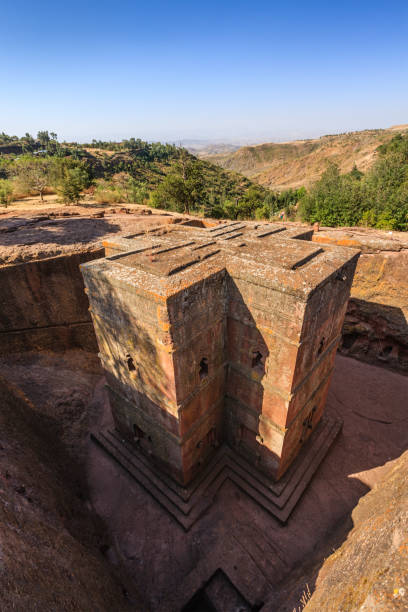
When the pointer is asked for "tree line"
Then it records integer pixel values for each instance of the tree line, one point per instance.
(156, 174)
(165, 176)
(378, 198)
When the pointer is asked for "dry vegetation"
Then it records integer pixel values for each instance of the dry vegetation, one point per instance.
(300, 163)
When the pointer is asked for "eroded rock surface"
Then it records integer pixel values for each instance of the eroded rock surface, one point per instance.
(376, 325)
(29, 236)
(52, 549)
(42, 300)
(369, 572)
(51, 542)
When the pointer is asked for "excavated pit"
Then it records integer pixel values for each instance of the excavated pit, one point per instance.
(133, 554)
(160, 566)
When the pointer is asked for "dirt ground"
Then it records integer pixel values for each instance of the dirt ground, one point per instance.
(33, 204)
(160, 560)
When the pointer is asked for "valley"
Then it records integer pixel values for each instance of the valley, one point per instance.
(286, 165)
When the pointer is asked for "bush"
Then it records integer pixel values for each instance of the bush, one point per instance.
(6, 192)
(377, 199)
(107, 193)
(72, 184)
(174, 193)
(264, 212)
(230, 209)
(32, 174)
(368, 218)
(333, 200)
(137, 192)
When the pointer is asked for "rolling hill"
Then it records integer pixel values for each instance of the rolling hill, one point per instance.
(301, 162)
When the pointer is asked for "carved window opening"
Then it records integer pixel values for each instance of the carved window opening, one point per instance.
(256, 359)
(349, 340)
(307, 424)
(139, 433)
(203, 371)
(130, 363)
(211, 437)
(387, 350)
(239, 434)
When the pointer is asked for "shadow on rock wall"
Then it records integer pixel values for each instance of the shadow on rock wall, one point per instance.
(376, 333)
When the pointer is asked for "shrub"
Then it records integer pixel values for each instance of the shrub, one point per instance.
(174, 193)
(378, 199)
(6, 192)
(264, 212)
(368, 218)
(137, 192)
(32, 175)
(108, 193)
(72, 184)
(230, 209)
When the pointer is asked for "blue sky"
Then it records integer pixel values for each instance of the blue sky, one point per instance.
(226, 70)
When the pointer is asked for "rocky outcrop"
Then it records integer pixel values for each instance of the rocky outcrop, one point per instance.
(42, 300)
(43, 305)
(27, 236)
(376, 324)
(369, 572)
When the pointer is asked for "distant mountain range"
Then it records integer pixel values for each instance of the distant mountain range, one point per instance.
(202, 148)
(205, 149)
(282, 165)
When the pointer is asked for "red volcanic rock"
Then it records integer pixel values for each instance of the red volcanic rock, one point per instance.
(369, 572)
(376, 324)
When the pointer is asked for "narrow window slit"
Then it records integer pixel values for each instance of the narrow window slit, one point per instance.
(130, 363)
(212, 436)
(203, 372)
(321, 345)
(256, 358)
(139, 433)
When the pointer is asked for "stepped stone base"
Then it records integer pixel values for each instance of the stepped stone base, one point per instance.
(187, 504)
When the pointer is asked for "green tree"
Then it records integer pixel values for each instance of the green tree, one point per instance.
(263, 212)
(43, 137)
(121, 180)
(356, 173)
(183, 189)
(378, 198)
(32, 174)
(72, 184)
(333, 200)
(385, 188)
(230, 209)
(6, 192)
(173, 193)
(138, 192)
